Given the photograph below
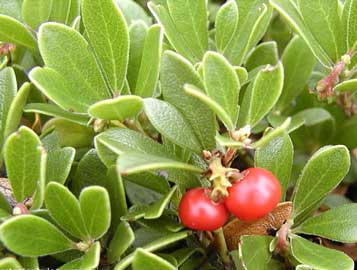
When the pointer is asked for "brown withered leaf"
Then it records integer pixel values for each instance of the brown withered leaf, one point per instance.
(6, 190)
(272, 222)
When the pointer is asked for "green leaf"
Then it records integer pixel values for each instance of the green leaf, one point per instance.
(277, 157)
(254, 18)
(324, 22)
(133, 12)
(8, 88)
(39, 195)
(64, 208)
(95, 207)
(226, 24)
(116, 190)
(29, 263)
(171, 123)
(112, 45)
(298, 62)
(35, 12)
(11, 8)
(212, 104)
(32, 236)
(123, 238)
(190, 19)
(59, 164)
(74, 264)
(148, 74)
(337, 224)
(323, 172)
(144, 260)
(92, 257)
(137, 32)
(349, 21)
(289, 11)
(221, 83)
(10, 263)
(134, 162)
(348, 138)
(265, 53)
(55, 111)
(15, 32)
(157, 209)
(15, 111)
(119, 108)
(63, 79)
(318, 256)
(65, 11)
(175, 73)
(70, 133)
(261, 95)
(346, 86)
(23, 158)
(254, 251)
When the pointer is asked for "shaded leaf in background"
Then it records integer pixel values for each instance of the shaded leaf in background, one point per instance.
(121, 241)
(133, 12)
(144, 260)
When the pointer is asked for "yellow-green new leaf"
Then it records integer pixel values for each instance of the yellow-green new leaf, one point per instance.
(108, 34)
(15, 32)
(64, 208)
(349, 21)
(10, 263)
(32, 236)
(119, 108)
(91, 259)
(347, 86)
(123, 238)
(95, 208)
(23, 159)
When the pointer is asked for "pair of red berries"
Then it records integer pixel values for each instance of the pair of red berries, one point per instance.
(249, 199)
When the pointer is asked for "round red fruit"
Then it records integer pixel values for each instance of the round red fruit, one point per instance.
(254, 196)
(198, 212)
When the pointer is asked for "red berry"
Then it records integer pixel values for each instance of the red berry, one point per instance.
(198, 212)
(254, 196)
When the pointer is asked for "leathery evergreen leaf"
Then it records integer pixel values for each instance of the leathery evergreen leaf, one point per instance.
(133, 12)
(32, 236)
(226, 24)
(261, 95)
(221, 83)
(59, 164)
(22, 159)
(134, 162)
(64, 208)
(264, 54)
(123, 238)
(35, 12)
(288, 9)
(324, 22)
(65, 53)
(10, 263)
(91, 259)
(323, 172)
(119, 108)
(347, 86)
(175, 73)
(319, 257)
(349, 21)
(337, 224)
(95, 207)
(8, 88)
(144, 260)
(148, 74)
(254, 18)
(111, 46)
(171, 123)
(157, 244)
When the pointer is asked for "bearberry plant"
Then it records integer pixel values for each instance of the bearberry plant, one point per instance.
(178, 134)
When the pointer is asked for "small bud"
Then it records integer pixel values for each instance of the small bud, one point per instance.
(346, 59)
(207, 155)
(20, 209)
